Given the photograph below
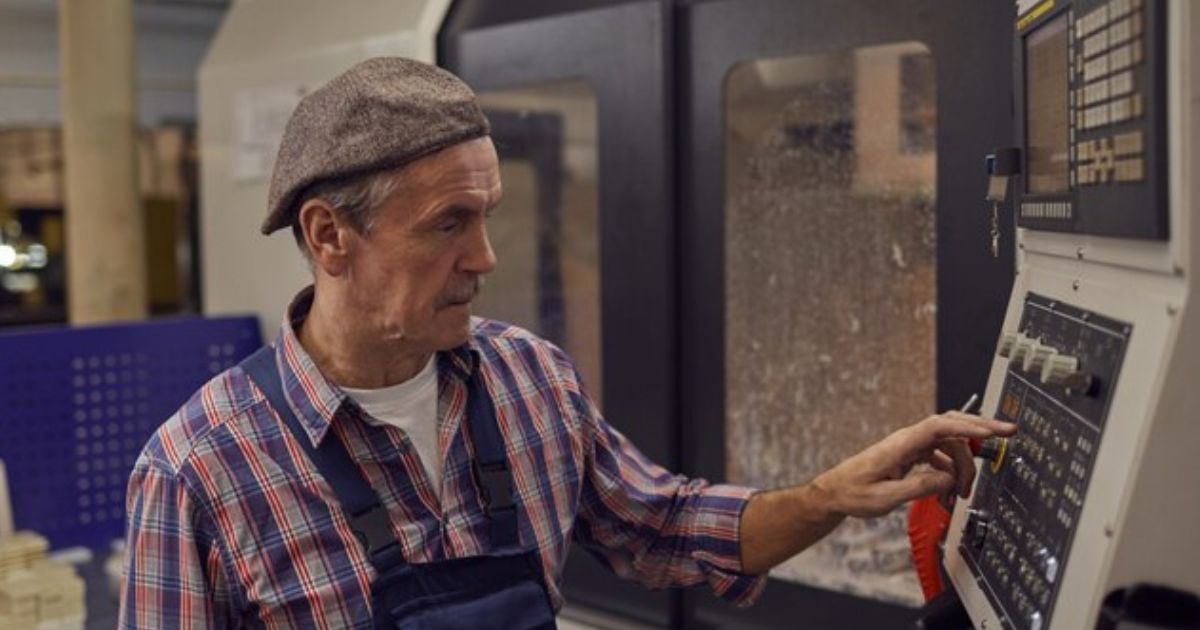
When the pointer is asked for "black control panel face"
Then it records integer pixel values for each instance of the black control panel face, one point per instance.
(1063, 367)
(1091, 117)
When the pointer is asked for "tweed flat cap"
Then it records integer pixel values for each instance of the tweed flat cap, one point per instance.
(380, 114)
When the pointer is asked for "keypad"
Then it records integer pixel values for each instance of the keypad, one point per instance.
(1108, 48)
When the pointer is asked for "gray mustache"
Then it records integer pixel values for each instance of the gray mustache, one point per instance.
(466, 293)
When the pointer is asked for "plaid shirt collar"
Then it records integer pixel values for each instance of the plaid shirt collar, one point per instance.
(315, 399)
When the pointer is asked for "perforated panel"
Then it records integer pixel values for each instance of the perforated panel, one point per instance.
(77, 405)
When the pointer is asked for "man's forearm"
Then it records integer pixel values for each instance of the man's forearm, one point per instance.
(780, 524)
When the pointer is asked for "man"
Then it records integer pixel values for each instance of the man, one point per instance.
(393, 461)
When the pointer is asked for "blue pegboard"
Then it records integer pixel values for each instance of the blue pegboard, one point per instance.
(78, 404)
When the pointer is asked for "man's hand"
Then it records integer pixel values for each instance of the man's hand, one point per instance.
(929, 457)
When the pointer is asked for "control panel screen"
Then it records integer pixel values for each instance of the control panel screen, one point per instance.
(1047, 79)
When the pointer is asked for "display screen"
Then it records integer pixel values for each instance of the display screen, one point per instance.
(1046, 113)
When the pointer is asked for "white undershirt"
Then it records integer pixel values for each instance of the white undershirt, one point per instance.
(410, 406)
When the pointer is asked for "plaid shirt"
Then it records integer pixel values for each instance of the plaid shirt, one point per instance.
(230, 525)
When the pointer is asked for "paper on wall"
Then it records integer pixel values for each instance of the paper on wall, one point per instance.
(260, 115)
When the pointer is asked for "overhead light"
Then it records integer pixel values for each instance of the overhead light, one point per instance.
(8, 256)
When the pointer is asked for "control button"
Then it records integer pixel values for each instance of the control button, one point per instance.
(1118, 9)
(1128, 143)
(1036, 359)
(1095, 44)
(1007, 341)
(1130, 170)
(993, 450)
(1095, 92)
(1121, 83)
(1085, 150)
(1120, 32)
(1135, 51)
(1092, 22)
(1035, 620)
(1137, 105)
(1119, 59)
(978, 522)
(1048, 563)
(1121, 110)
(1087, 175)
(1099, 66)
(1135, 25)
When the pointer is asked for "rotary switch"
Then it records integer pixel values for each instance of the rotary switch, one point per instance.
(1007, 342)
(978, 522)
(1022, 348)
(993, 450)
(1063, 370)
(1036, 358)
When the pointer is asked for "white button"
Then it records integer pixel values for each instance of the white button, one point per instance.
(1118, 8)
(1121, 110)
(1119, 33)
(1118, 59)
(1128, 143)
(1095, 92)
(1097, 68)
(1095, 44)
(1121, 83)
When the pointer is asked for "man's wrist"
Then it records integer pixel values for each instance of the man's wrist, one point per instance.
(822, 498)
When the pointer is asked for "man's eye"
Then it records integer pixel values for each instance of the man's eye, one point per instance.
(449, 226)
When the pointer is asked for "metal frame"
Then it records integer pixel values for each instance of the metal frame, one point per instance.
(974, 116)
(623, 50)
(537, 138)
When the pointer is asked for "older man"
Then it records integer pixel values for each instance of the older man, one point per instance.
(393, 462)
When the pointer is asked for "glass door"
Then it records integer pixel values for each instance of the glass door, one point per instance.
(832, 194)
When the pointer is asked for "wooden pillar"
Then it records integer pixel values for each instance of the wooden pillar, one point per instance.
(106, 260)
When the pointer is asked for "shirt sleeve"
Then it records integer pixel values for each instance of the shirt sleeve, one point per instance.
(660, 529)
(173, 574)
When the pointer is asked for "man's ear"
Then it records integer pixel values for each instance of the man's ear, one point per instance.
(327, 237)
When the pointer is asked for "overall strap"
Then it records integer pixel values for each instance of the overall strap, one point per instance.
(491, 468)
(368, 518)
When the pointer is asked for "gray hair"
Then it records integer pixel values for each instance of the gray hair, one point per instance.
(356, 198)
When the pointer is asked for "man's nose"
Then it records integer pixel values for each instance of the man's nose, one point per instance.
(481, 258)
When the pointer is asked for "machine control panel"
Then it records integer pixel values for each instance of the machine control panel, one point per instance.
(1092, 119)
(1063, 364)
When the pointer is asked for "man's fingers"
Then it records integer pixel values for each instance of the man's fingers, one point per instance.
(964, 464)
(940, 461)
(935, 429)
(919, 483)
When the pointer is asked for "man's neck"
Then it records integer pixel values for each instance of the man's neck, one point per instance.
(351, 359)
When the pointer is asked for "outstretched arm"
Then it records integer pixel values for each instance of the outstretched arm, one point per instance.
(929, 457)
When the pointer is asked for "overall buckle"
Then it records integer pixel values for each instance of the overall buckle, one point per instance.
(495, 483)
(373, 529)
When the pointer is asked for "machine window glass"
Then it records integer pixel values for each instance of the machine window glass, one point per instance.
(1046, 83)
(830, 282)
(546, 231)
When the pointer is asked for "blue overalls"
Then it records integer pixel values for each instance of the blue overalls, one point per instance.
(503, 589)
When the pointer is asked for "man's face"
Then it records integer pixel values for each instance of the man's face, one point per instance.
(414, 275)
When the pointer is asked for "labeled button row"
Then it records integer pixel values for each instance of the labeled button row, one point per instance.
(1123, 171)
(1046, 210)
